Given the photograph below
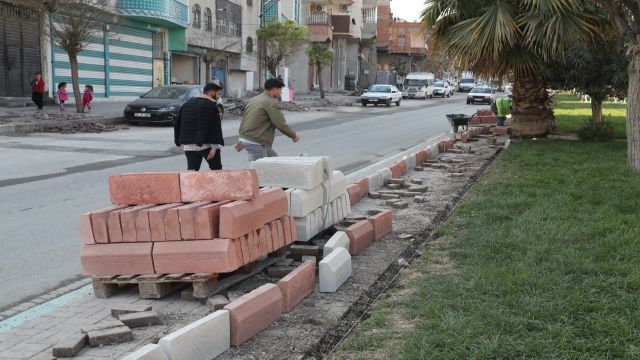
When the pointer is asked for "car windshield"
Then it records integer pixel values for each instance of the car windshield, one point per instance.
(165, 93)
(466, 81)
(416, 82)
(481, 90)
(381, 89)
(439, 84)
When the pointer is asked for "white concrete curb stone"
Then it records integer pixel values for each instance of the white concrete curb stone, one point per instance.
(375, 181)
(411, 161)
(147, 352)
(335, 269)
(303, 202)
(337, 186)
(202, 340)
(290, 172)
(339, 239)
(386, 175)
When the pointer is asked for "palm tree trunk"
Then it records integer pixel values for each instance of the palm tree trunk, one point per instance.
(596, 110)
(73, 62)
(319, 75)
(532, 115)
(633, 107)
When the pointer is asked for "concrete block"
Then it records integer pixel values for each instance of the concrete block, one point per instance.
(129, 220)
(355, 193)
(253, 312)
(399, 169)
(287, 234)
(411, 161)
(114, 227)
(147, 352)
(217, 302)
(156, 220)
(386, 174)
(305, 227)
(205, 256)
(303, 202)
(339, 239)
(360, 235)
(187, 219)
(70, 346)
(172, 225)
(335, 269)
(364, 186)
(84, 229)
(297, 285)
(207, 221)
(290, 172)
(382, 222)
(140, 319)
(219, 185)
(99, 223)
(275, 204)
(116, 259)
(276, 237)
(347, 206)
(107, 324)
(375, 182)
(334, 187)
(202, 340)
(110, 336)
(265, 232)
(120, 309)
(145, 188)
(502, 130)
(240, 218)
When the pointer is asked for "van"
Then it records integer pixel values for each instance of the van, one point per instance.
(418, 85)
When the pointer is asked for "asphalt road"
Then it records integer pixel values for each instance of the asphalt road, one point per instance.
(48, 180)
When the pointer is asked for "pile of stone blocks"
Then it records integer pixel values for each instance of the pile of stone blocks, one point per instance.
(184, 222)
(316, 193)
(483, 116)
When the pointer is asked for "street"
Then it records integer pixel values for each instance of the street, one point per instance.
(48, 180)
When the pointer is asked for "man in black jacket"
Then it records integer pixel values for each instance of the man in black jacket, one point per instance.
(199, 130)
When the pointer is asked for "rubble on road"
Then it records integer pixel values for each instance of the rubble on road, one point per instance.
(80, 128)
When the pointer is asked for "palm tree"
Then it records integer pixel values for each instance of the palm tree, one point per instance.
(319, 55)
(498, 38)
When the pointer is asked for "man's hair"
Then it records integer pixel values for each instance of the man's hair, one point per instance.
(213, 85)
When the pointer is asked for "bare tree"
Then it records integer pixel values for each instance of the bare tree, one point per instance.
(213, 48)
(320, 54)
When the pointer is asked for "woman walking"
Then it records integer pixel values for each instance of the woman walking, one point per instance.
(37, 88)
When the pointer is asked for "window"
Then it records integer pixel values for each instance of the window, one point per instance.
(228, 18)
(196, 15)
(249, 46)
(401, 41)
(208, 20)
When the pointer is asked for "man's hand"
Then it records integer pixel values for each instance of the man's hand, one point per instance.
(239, 147)
(212, 153)
(296, 139)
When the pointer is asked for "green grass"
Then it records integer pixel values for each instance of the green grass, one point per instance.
(571, 114)
(540, 261)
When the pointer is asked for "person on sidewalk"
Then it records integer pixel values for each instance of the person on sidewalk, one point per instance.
(37, 90)
(261, 119)
(199, 130)
(62, 95)
(503, 108)
(87, 97)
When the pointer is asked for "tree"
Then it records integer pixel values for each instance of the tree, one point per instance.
(437, 62)
(399, 66)
(494, 38)
(320, 54)
(210, 54)
(75, 22)
(279, 42)
(626, 15)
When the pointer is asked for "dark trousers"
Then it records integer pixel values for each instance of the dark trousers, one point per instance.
(38, 99)
(194, 159)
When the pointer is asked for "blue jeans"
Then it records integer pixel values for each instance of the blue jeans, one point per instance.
(258, 151)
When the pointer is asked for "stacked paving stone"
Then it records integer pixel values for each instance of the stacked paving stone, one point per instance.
(184, 222)
(316, 194)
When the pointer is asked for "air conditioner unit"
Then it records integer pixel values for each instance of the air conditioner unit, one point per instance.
(344, 8)
(319, 8)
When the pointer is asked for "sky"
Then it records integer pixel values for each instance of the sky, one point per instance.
(407, 9)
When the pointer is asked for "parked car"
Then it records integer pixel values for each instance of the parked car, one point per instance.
(482, 94)
(466, 84)
(162, 104)
(418, 85)
(441, 88)
(381, 94)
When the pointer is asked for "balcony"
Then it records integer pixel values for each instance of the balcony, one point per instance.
(320, 27)
(343, 25)
(169, 13)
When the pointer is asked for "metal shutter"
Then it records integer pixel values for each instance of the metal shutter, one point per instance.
(130, 61)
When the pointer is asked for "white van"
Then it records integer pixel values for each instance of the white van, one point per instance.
(418, 85)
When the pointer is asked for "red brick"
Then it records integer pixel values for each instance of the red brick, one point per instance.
(84, 229)
(297, 285)
(156, 220)
(466, 136)
(99, 223)
(294, 231)
(382, 223)
(116, 259)
(237, 244)
(355, 193)
(421, 156)
(254, 312)
(275, 204)
(360, 236)
(486, 130)
(143, 227)
(261, 243)
(216, 256)
(114, 227)
(219, 185)
(286, 231)
(187, 219)
(364, 186)
(276, 235)
(128, 220)
(501, 130)
(253, 240)
(207, 220)
(172, 225)
(265, 232)
(145, 188)
(399, 169)
(244, 244)
(239, 218)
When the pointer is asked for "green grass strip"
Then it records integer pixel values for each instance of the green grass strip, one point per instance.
(571, 114)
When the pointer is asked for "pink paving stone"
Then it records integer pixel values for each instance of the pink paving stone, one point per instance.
(466, 136)
(145, 188)
(297, 285)
(364, 186)
(207, 256)
(244, 244)
(237, 244)
(253, 240)
(286, 227)
(382, 224)
(355, 193)
(268, 239)
(253, 312)
(360, 236)
(116, 259)
(399, 169)
(157, 219)
(262, 236)
(240, 217)
(294, 231)
(143, 226)
(503, 130)
(187, 218)
(99, 223)
(219, 185)
(84, 229)
(114, 226)
(128, 220)
(275, 235)
(207, 221)
(172, 225)
(275, 204)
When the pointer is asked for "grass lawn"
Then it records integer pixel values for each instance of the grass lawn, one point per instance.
(540, 261)
(571, 114)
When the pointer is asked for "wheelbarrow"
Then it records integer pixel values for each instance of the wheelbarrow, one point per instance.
(458, 121)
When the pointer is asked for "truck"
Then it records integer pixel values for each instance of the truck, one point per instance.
(418, 85)
(467, 82)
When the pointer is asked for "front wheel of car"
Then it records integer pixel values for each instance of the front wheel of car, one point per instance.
(448, 95)
(398, 102)
(364, 104)
(468, 102)
(431, 96)
(389, 103)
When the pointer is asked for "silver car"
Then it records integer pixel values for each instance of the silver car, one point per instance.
(381, 94)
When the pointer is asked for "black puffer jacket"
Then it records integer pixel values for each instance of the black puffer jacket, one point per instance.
(198, 123)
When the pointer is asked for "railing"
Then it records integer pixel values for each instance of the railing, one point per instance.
(320, 18)
(369, 16)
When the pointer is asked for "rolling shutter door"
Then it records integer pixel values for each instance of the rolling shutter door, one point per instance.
(130, 61)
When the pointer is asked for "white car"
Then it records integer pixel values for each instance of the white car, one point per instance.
(481, 94)
(441, 88)
(381, 94)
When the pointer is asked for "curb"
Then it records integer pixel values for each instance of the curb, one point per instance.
(21, 128)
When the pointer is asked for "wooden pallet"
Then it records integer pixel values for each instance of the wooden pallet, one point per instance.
(157, 286)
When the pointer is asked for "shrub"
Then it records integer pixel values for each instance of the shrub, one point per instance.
(592, 131)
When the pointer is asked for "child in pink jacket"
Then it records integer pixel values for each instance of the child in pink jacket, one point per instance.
(62, 94)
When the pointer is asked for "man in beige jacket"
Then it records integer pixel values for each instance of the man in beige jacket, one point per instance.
(261, 119)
